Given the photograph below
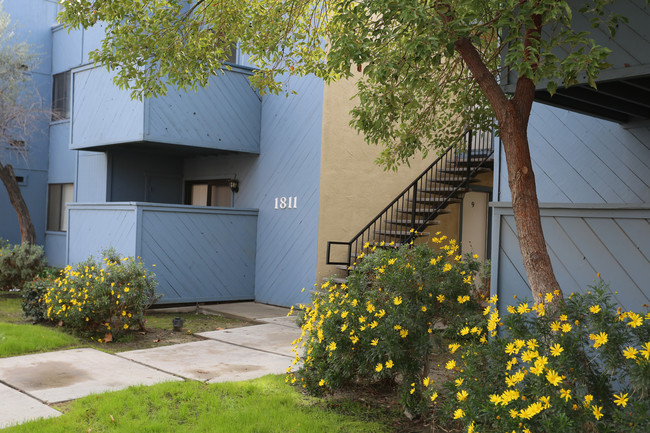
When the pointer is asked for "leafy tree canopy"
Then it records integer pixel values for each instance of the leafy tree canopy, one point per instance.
(415, 91)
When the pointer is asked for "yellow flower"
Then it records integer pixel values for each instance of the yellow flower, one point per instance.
(553, 378)
(403, 333)
(454, 347)
(635, 320)
(645, 350)
(630, 352)
(523, 308)
(426, 381)
(459, 413)
(463, 299)
(379, 367)
(332, 346)
(446, 268)
(464, 331)
(621, 400)
(126, 290)
(434, 396)
(599, 339)
(397, 300)
(555, 326)
(440, 298)
(548, 297)
(374, 342)
(459, 381)
(126, 326)
(594, 309)
(565, 394)
(389, 363)
(424, 309)
(566, 328)
(588, 399)
(556, 350)
(461, 395)
(450, 365)
(597, 411)
(493, 299)
(322, 382)
(511, 309)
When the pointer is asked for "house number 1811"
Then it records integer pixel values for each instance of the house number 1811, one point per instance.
(286, 202)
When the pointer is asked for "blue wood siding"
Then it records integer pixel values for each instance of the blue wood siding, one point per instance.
(630, 47)
(581, 159)
(288, 165)
(92, 173)
(223, 116)
(93, 228)
(582, 241)
(200, 254)
(102, 113)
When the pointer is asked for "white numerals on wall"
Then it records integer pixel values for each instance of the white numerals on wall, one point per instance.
(286, 202)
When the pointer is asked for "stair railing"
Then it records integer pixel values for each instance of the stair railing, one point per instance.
(423, 200)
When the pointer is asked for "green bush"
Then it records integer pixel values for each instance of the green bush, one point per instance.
(19, 264)
(585, 366)
(101, 300)
(380, 325)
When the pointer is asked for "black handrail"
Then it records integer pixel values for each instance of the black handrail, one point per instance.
(421, 197)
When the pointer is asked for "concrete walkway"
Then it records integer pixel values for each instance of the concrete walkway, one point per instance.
(29, 383)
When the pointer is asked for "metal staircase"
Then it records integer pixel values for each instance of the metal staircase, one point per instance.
(417, 207)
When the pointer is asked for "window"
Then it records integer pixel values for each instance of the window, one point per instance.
(232, 54)
(61, 96)
(208, 193)
(58, 195)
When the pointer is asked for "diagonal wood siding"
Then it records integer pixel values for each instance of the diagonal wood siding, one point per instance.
(288, 165)
(581, 159)
(200, 254)
(612, 241)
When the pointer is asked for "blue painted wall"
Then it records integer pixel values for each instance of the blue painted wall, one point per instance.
(197, 253)
(593, 182)
(223, 116)
(32, 20)
(288, 165)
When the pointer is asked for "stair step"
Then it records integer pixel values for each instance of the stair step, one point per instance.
(443, 190)
(431, 200)
(346, 268)
(452, 180)
(408, 222)
(339, 280)
(424, 210)
(475, 160)
(455, 170)
(397, 233)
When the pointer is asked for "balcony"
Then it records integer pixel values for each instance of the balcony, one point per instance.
(223, 117)
(201, 254)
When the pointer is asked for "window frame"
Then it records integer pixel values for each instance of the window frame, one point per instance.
(209, 182)
(61, 96)
(57, 209)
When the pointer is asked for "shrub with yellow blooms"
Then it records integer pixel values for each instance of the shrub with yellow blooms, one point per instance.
(583, 366)
(100, 300)
(381, 325)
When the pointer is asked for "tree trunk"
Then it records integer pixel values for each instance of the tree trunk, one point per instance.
(525, 207)
(512, 116)
(27, 232)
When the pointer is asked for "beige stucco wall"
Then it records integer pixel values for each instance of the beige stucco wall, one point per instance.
(353, 189)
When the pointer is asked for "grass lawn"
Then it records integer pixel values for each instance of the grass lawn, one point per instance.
(260, 405)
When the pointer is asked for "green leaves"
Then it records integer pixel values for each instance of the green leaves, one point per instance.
(414, 91)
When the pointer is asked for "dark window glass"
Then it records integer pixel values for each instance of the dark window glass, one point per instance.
(58, 195)
(61, 96)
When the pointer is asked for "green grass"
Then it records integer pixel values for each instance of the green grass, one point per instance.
(11, 308)
(261, 405)
(21, 339)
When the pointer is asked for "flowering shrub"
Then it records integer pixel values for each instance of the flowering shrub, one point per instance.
(585, 366)
(379, 325)
(101, 300)
(19, 264)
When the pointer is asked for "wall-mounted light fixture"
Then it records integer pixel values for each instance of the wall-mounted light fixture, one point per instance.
(234, 185)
